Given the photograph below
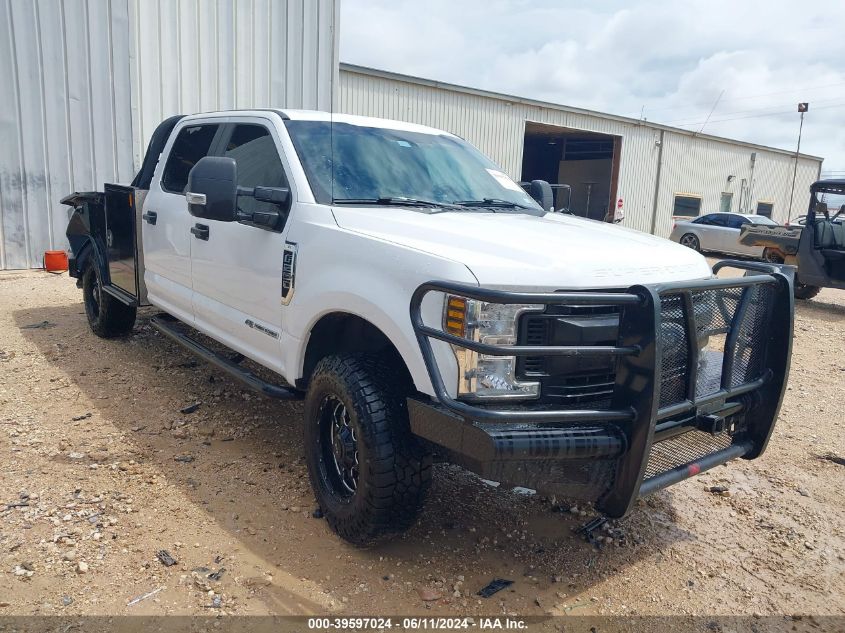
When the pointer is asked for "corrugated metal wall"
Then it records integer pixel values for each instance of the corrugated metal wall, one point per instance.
(65, 120)
(87, 81)
(206, 55)
(496, 125)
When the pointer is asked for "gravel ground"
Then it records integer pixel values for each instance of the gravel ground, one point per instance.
(102, 471)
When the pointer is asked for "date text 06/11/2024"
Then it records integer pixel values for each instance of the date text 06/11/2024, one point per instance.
(417, 623)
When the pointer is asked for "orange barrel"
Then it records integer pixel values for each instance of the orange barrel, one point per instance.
(55, 261)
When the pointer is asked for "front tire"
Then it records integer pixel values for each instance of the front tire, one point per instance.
(369, 474)
(107, 316)
(691, 241)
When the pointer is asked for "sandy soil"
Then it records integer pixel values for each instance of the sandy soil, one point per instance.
(101, 470)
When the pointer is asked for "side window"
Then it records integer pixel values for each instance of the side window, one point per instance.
(192, 144)
(259, 164)
(704, 219)
(735, 222)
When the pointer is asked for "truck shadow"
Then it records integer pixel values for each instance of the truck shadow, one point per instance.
(820, 309)
(238, 457)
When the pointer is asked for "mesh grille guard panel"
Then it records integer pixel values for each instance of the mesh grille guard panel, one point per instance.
(683, 449)
(729, 343)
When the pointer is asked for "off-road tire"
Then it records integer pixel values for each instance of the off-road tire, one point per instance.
(691, 241)
(107, 316)
(394, 471)
(771, 256)
(805, 292)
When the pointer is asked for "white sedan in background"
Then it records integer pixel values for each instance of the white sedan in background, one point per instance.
(718, 233)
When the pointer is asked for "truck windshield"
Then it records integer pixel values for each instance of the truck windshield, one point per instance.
(374, 165)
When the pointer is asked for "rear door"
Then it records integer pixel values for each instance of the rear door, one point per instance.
(166, 222)
(707, 231)
(724, 236)
(237, 270)
(733, 227)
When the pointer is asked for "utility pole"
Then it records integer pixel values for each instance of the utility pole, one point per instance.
(802, 108)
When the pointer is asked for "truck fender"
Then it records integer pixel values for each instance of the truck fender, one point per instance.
(402, 339)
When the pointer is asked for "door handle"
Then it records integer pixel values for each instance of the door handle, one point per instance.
(200, 231)
(150, 217)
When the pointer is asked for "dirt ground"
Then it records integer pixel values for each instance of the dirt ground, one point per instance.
(101, 471)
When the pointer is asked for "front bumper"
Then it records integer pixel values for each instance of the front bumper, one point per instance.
(674, 412)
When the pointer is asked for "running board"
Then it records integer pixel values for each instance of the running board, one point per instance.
(166, 324)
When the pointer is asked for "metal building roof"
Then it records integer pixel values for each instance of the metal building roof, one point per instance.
(366, 70)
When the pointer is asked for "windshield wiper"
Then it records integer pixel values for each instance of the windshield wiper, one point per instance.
(491, 202)
(397, 201)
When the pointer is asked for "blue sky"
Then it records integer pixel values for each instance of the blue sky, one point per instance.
(666, 61)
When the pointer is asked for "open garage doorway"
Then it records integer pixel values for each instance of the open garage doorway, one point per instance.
(586, 161)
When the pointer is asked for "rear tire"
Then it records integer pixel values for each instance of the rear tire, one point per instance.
(772, 256)
(107, 316)
(691, 241)
(368, 472)
(805, 292)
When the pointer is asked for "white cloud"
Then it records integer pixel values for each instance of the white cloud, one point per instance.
(669, 59)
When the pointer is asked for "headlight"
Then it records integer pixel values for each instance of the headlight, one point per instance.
(483, 376)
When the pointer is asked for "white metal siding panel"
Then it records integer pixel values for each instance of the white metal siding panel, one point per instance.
(496, 125)
(206, 55)
(88, 81)
(65, 123)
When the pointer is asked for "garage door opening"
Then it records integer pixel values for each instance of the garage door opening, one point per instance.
(586, 161)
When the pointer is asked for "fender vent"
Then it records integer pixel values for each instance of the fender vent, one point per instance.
(288, 271)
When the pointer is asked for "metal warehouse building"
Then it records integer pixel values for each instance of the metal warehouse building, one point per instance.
(658, 171)
(87, 81)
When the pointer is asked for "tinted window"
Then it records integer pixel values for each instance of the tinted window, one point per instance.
(765, 208)
(688, 206)
(734, 221)
(192, 144)
(259, 164)
(704, 219)
(354, 162)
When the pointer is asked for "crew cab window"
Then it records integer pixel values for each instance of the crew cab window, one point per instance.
(192, 144)
(258, 161)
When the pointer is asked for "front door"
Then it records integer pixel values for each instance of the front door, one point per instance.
(166, 221)
(237, 268)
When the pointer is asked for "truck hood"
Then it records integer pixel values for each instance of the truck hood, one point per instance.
(510, 250)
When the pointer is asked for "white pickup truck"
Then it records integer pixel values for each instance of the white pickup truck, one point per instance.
(422, 303)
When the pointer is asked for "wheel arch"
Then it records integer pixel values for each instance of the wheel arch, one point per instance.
(342, 332)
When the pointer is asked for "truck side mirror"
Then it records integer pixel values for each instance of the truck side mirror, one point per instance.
(212, 191)
(541, 191)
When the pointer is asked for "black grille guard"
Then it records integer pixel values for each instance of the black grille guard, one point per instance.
(635, 405)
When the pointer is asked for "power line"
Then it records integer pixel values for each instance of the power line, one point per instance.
(754, 116)
(803, 90)
(785, 105)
